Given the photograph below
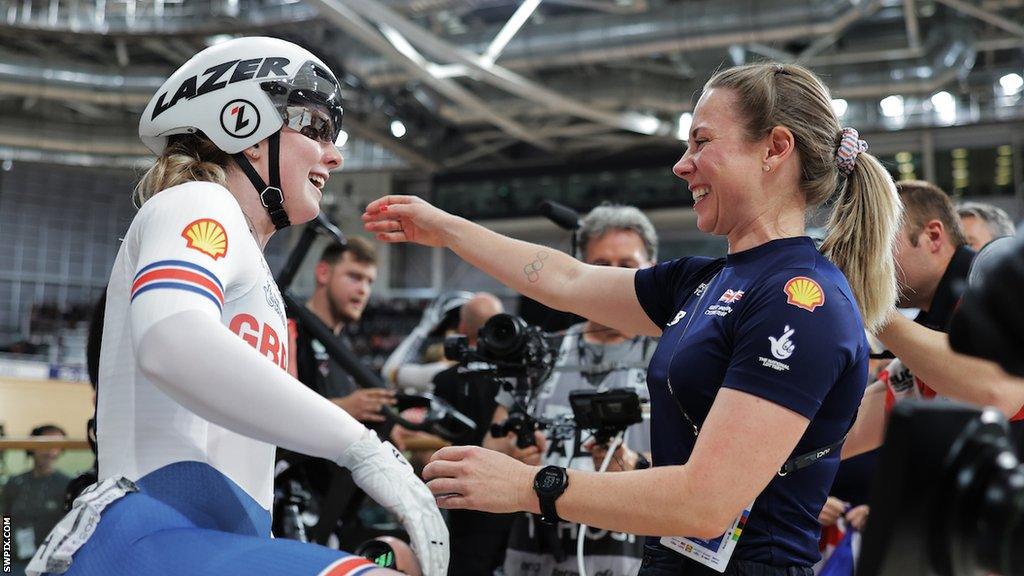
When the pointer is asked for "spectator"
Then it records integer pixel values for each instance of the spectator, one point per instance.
(983, 223)
(591, 357)
(35, 500)
(344, 282)
(478, 539)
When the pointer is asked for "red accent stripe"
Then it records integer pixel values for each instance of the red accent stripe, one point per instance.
(345, 566)
(1018, 416)
(179, 274)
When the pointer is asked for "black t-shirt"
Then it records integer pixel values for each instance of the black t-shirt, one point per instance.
(317, 370)
(35, 505)
(949, 291)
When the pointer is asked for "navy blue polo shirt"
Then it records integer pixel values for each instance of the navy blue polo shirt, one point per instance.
(778, 321)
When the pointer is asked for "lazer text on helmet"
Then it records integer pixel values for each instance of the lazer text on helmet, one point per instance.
(243, 70)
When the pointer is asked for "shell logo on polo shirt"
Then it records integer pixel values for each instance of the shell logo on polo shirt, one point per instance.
(805, 293)
(207, 236)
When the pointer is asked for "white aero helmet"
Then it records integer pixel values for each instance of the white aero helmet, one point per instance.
(237, 93)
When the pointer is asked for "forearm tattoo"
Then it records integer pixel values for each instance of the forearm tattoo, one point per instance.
(532, 270)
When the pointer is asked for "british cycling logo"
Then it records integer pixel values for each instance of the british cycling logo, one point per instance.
(782, 347)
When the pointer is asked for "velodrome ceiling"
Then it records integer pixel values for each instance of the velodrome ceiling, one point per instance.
(448, 85)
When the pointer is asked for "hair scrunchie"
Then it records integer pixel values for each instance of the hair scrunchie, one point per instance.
(850, 146)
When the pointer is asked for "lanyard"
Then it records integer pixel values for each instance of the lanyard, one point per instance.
(791, 465)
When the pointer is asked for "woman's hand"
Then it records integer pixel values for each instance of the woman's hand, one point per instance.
(480, 479)
(858, 517)
(833, 509)
(407, 219)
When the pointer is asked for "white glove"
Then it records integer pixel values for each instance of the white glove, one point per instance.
(387, 477)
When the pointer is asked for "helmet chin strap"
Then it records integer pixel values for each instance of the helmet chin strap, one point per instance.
(270, 195)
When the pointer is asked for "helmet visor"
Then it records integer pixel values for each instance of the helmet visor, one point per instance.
(311, 85)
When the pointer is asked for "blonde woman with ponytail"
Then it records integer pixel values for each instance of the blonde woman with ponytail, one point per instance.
(762, 359)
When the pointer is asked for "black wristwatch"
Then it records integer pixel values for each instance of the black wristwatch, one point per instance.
(549, 484)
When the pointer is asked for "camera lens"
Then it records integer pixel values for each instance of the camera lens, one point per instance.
(503, 336)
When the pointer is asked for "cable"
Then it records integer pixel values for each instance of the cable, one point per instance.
(582, 536)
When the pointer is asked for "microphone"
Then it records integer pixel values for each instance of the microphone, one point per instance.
(560, 214)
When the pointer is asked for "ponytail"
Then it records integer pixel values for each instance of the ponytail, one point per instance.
(862, 227)
(187, 158)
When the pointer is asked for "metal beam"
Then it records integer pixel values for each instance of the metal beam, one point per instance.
(913, 27)
(477, 152)
(348, 20)
(985, 16)
(515, 22)
(500, 77)
(612, 7)
(845, 21)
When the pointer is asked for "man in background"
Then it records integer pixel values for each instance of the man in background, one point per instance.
(478, 539)
(344, 282)
(344, 277)
(983, 223)
(34, 501)
(596, 358)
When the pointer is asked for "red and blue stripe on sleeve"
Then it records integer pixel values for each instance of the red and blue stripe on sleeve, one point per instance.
(179, 275)
(350, 566)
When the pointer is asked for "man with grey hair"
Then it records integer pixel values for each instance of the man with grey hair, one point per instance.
(983, 223)
(608, 217)
(590, 357)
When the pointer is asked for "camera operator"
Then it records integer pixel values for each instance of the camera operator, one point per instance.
(934, 263)
(478, 539)
(593, 357)
(403, 368)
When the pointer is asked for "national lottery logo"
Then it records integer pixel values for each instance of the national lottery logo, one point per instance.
(240, 118)
(782, 347)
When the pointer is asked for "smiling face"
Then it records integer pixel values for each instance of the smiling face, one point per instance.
(722, 166)
(306, 163)
(306, 166)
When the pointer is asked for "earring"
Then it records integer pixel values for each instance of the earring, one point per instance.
(766, 168)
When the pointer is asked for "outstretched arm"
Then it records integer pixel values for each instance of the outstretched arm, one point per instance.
(742, 445)
(928, 355)
(603, 294)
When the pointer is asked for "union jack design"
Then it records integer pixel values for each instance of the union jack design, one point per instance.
(351, 566)
(179, 275)
(730, 296)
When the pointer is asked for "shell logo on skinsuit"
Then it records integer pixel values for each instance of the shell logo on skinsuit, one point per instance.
(207, 236)
(805, 293)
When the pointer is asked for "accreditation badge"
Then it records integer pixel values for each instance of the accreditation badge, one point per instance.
(714, 553)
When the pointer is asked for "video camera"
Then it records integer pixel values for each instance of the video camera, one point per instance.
(948, 496)
(607, 413)
(521, 357)
(508, 343)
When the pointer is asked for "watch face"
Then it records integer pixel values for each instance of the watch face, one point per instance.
(549, 479)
